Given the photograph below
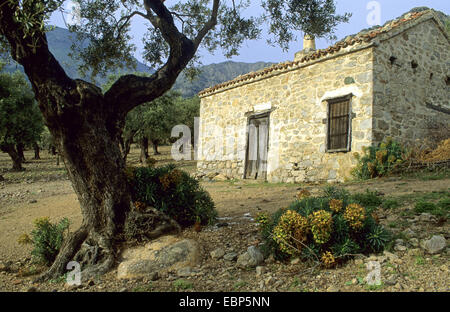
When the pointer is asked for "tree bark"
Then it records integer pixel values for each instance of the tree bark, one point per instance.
(96, 168)
(126, 146)
(36, 151)
(20, 148)
(15, 156)
(17, 160)
(52, 149)
(155, 147)
(144, 149)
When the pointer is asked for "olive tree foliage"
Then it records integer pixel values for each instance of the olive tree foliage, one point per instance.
(209, 24)
(316, 18)
(21, 122)
(87, 122)
(187, 110)
(159, 119)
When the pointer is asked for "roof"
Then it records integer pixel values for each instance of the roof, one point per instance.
(365, 36)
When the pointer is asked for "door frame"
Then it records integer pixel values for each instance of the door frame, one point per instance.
(249, 118)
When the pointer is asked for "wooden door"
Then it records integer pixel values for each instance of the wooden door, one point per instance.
(257, 148)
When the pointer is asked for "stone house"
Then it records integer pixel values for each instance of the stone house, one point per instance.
(303, 120)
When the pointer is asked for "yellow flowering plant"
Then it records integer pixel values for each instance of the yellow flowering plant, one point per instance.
(262, 219)
(325, 229)
(140, 206)
(321, 226)
(379, 160)
(303, 194)
(336, 205)
(173, 192)
(46, 238)
(328, 260)
(355, 216)
(292, 229)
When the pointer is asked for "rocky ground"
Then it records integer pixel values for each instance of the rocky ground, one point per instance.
(418, 261)
(223, 268)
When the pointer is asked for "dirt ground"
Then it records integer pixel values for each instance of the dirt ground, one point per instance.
(44, 190)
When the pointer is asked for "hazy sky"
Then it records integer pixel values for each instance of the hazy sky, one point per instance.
(363, 12)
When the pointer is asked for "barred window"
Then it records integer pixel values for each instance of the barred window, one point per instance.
(339, 125)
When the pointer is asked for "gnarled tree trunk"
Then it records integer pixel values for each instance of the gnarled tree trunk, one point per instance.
(52, 149)
(144, 149)
(15, 156)
(36, 151)
(20, 148)
(91, 153)
(125, 144)
(155, 147)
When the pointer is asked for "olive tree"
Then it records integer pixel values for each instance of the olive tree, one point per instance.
(21, 122)
(87, 122)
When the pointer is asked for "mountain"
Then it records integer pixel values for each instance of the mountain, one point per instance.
(60, 41)
(213, 74)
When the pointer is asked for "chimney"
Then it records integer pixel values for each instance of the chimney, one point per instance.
(309, 45)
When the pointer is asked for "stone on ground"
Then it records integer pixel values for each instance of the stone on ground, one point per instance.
(217, 253)
(435, 244)
(251, 258)
(164, 254)
(231, 256)
(220, 178)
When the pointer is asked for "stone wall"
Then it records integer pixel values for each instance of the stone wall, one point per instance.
(410, 70)
(400, 87)
(297, 134)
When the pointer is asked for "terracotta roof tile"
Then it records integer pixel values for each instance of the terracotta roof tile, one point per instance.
(358, 38)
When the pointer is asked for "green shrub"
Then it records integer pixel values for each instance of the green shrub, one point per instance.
(444, 204)
(335, 192)
(370, 200)
(173, 192)
(378, 161)
(270, 246)
(46, 239)
(337, 227)
(144, 288)
(390, 204)
(440, 209)
(423, 206)
(182, 284)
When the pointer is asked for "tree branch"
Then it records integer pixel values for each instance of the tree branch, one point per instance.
(30, 49)
(130, 91)
(180, 17)
(127, 19)
(209, 25)
(163, 21)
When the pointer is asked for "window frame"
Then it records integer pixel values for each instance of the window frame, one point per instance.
(329, 102)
